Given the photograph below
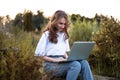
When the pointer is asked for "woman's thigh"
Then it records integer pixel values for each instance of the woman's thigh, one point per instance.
(59, 69)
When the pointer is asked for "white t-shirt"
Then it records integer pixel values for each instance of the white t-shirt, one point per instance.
(46, 48)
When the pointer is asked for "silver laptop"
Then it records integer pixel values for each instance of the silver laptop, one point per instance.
(80, 50)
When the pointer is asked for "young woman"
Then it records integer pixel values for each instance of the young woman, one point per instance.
(53, 46)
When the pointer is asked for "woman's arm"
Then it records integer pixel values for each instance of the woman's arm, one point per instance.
(40, 48)
(50, 59)
(65, 55)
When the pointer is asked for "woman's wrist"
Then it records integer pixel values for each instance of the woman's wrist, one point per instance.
(53, 60)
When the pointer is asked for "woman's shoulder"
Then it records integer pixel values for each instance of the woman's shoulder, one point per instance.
(46, 33)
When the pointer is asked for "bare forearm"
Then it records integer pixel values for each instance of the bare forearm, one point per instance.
(50, 59)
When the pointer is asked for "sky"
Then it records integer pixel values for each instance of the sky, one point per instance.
(87, 8)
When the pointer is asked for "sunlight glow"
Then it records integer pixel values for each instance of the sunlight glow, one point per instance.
(86, 8)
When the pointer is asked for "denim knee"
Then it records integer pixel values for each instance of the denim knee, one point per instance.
(84, 63)
(75, 65)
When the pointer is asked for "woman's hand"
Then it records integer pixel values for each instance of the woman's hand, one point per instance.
(65, 55)
(60, 59)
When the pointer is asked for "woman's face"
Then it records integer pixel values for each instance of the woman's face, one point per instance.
(61, 24)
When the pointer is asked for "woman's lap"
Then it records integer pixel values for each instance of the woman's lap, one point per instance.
(61, 69)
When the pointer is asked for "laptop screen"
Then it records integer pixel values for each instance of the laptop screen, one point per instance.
(81, 50)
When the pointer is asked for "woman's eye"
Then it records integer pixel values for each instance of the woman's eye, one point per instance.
(62, 23)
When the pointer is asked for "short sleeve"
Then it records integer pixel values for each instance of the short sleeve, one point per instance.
(40, 49)
(67, 45)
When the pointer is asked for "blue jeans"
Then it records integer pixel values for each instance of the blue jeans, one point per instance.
(69, 69)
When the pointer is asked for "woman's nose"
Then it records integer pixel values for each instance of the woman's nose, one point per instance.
(63, 26)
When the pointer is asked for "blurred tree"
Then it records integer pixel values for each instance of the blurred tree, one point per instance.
(1, 21)
(39, 20)
(75, 17)
(27, 21)
(18, 21)
(7, 21)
